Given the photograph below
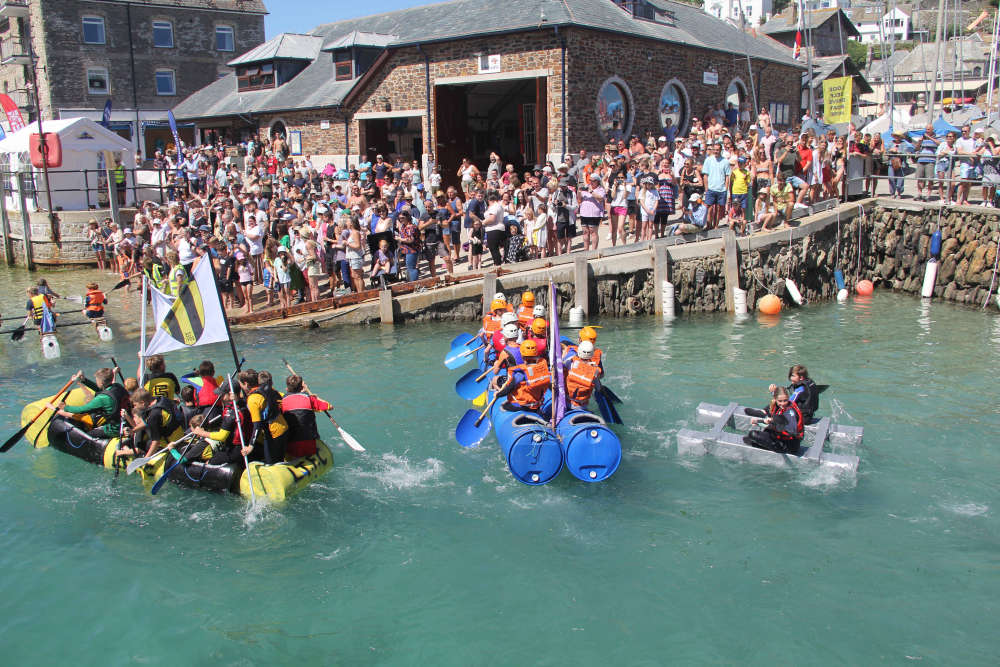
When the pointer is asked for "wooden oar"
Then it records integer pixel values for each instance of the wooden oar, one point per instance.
(347, 437)
(14, 439)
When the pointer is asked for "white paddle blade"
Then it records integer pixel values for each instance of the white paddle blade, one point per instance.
(351, 442)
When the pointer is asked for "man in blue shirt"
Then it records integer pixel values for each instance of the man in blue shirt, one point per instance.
(694, 218)
(926, 149)
(717, 172)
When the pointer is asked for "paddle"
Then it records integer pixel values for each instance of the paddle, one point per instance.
(163, 478)
(480, 400)
(471, 429)
(472, 384)
(14, 439)
(239, 429)
(458, 358)
(135, 464)
(18, 333)
(345, 436)
(462, 339)
(124, 281)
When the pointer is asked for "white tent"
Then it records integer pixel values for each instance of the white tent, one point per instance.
(74, 184)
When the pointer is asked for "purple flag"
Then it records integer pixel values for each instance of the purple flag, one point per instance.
(555, 359)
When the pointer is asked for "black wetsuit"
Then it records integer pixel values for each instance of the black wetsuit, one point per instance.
(806, 396)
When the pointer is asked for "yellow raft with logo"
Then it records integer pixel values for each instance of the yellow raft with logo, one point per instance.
(275, 482)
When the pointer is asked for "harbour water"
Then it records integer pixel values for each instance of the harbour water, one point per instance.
(421, 552)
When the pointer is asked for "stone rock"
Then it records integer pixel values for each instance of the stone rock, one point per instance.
(948, 246)
(977, 263)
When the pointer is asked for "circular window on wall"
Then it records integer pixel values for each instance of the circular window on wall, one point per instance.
(673, 106)
(614, 110)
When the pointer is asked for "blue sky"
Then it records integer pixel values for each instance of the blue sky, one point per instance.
(304, 15)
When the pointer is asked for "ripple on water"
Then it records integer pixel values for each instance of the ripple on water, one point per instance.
(396, 471)
(967, 509)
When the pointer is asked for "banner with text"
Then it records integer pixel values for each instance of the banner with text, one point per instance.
(837, 100)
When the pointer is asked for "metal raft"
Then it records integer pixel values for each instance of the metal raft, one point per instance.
(718, 442)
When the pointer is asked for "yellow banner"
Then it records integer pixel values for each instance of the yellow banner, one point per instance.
(837, 100)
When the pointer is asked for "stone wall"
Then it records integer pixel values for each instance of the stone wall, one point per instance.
(646, 66)
(72, 248)
(128, 47)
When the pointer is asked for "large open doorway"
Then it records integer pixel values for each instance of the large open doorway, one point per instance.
(508, 117)
(392, 137)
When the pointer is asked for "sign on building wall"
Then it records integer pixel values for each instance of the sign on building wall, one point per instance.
(837, 100)
(324, 125)
(710, 78)
(489, 64)
(295, 142)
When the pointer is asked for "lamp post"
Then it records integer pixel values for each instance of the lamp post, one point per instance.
(32, 84)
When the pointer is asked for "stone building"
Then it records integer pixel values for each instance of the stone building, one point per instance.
(825, 31)
(142, 55)
(530, 79)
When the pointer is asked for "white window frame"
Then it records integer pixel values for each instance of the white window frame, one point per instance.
(232, 38)
(173, 82)
(93, 21)
(101, 71)
(161, 24)
(489, 63)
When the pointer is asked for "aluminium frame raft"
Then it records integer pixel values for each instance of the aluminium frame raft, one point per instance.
(275, 482)
(723, 444)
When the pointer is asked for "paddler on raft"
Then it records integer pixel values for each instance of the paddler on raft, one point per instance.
(803, 392)
(583, 374)
(526, 382)
(783, 426)
(269, 425)
(228, 440)
(299, 406)
(104, 409)
(526, 311)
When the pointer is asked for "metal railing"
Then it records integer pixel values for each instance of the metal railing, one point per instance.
(90, 186)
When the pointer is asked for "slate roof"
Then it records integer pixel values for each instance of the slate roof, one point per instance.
(316, 87)
(245, 6)
(286, 46)
(832, 66)
(358, 38)
(788, 22)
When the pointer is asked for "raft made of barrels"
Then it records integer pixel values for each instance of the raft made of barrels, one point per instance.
(729, 445)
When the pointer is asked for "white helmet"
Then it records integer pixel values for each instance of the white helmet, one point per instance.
(539, 311)
(511, 330)
(585, 350)
(507, 318)
(499, 296)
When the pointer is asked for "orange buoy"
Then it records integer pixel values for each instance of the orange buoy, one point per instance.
(865, 288)
(769, 305)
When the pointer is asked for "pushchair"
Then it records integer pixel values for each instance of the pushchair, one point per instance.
(394, 275)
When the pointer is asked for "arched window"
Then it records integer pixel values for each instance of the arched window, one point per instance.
(674, 107)
(615, 112)
(736, 93)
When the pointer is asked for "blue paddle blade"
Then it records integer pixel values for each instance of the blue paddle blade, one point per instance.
(458, 357)
(163, 480)
(480, 356)
(462, 339)
(612, 396)
(468, 388)
(603, 404)
(467, 433)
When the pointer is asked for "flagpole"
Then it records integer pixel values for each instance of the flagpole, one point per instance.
(142, 317)
(222, 309)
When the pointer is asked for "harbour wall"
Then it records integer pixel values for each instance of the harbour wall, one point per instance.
(885, 241)
(63, 244)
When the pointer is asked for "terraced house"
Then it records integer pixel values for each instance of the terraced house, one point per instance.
(144, 56)
(530, 79)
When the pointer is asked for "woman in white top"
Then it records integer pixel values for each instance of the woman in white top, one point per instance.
(538, 230)
(493, 225)
(467, 172)
(619, 207)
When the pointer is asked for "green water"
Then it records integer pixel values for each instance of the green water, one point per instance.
(419, 552)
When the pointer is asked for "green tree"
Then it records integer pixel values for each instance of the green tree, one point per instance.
(858, 53)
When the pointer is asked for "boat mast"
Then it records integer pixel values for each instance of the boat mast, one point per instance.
(809, 60)
(991, 70)
(937, 60)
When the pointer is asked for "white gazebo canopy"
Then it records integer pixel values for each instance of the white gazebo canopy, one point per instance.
(74, 184)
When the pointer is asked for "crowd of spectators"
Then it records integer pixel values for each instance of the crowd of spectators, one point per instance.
(277, 225)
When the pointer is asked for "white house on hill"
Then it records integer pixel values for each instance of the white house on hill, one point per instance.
(875, 26)
(753, 10)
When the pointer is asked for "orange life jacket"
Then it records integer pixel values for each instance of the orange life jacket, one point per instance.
(580, 378)
(95, 301)
(536, 380)
(491, 324)
(525, 316)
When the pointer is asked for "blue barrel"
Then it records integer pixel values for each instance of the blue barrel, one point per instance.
(838, 275)
(592, 450)
(529, 446)
(936, 244)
